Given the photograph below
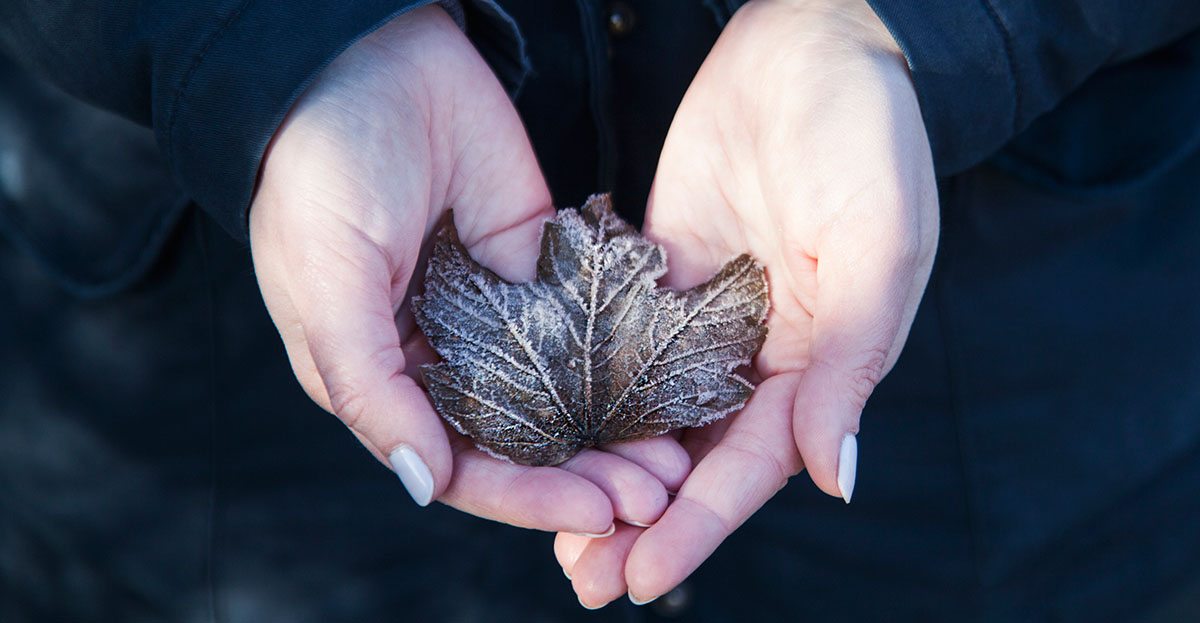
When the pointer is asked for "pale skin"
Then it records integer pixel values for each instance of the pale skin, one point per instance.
(800, 141)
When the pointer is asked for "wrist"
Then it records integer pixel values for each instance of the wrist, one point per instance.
(834, 26)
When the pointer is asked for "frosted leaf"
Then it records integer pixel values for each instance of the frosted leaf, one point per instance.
(591, 352)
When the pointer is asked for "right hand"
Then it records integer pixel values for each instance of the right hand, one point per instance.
(405, 124)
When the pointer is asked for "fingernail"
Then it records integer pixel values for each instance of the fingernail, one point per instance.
(640, 602)
(847, 466)
(590, 607)
(413, 473)
(637, 523)
(592, 535)
(564, 570)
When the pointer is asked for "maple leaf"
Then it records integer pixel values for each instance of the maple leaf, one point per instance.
(592, 352)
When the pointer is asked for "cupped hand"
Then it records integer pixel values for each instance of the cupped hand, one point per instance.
(406, 124)
(800, 140)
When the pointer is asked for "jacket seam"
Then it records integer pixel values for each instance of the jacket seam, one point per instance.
(1010, 60)
(172, 112)
(210, 515)
(948, 252)
(163, 222)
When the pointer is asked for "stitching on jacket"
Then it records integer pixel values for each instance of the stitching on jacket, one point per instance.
(187, 77)
(1006, 36)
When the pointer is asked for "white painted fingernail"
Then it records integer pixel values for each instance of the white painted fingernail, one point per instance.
(847, 466)
(594, 535)
(638, 602)
(413, 473)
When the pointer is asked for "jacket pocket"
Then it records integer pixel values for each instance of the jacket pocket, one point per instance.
(82, 190)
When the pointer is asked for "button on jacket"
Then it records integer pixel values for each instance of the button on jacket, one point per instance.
(1033, 456)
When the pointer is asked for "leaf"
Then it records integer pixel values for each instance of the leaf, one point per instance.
(592, 352)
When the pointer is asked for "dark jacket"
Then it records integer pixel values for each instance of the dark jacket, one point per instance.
(1034, 455)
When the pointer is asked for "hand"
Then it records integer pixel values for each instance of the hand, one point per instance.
(405, 124)
(800, 141)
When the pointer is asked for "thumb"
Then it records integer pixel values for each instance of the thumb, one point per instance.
(344, 309)
(860, 323)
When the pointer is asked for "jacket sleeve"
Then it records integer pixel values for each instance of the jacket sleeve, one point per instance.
(213, 79)
(985, 69)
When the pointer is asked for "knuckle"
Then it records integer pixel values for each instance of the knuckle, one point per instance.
(862, 379)
(762, 457)
(349, 405)
(358, 387)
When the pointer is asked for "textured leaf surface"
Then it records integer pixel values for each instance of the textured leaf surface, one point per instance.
(591, 352)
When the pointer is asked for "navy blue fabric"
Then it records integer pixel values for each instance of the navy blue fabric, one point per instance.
(212, 79)
(113, 124)
(985, 69)
(1033, 456)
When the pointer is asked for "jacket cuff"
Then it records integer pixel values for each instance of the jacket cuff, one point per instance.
(240, 86)
(960, 56)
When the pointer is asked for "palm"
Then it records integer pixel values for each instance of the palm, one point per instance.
(698, 241)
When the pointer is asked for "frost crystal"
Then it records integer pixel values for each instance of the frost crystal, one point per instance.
(591, 352)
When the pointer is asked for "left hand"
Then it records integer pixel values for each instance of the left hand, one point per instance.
(800, 140)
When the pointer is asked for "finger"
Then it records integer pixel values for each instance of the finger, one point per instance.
(866, 304)
(567, 549)
(541, 498)
(662, 456)
(749, 465)
(637, 496)
(598, 575)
